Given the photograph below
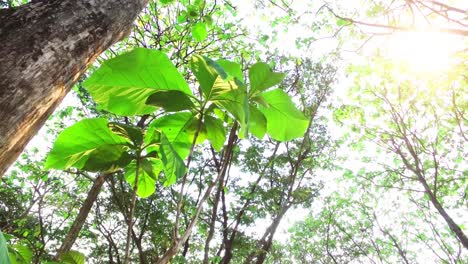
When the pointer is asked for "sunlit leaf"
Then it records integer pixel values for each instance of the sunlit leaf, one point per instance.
(261, 77)
(231, 97)
(179, 129)
(122, 84)
(4, 256)
(206, 71)
(174, 167)
(257, 122)
(73, 257)
(232, 68)
(342, 22)
(88, 144)
(284, 121)
(147, 175)
(192, 11)
(215, 132)
(21, 254)
(199, 32)
(107, 158)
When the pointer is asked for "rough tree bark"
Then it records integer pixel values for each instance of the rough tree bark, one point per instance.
(46, 46)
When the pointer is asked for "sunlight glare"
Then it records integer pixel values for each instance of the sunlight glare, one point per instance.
(423, 52)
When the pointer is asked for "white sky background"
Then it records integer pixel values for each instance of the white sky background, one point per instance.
(258, 21)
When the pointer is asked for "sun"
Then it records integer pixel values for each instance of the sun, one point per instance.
(424, 52)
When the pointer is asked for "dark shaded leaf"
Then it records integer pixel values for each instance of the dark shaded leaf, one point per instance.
(171, 101)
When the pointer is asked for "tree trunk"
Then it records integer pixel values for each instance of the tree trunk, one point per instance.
(214, 214)
(46, 46)
(427, 189)
(260, 254)
(82, 215)
(450, 222)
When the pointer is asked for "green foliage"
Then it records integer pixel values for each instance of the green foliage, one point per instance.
(20, 254)
(89, 145)
(215, 132)
(160, 123)
(4, 256)
(144, 82)
(257, 122)
(179, 128)
(171, 101)
(148, 172)
(133, 134)
(123, 84)
(281, 111)
(222, 84)
(129, 83)
(231, 97)
(199, 32)
(232, 69)
(262, 77)
(206, 72)
(174, 166)
(73, 257)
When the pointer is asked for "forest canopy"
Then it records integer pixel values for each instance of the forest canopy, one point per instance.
(264, 131)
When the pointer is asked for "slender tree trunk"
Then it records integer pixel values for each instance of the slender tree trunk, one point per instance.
(433, 198)
(452, 225)
(395, 242)
(214, 214)
(259, 256)
(228, 243)
(82, 215)
(46, 46)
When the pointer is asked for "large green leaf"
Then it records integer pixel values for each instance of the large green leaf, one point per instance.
(206, 71)
(232, 68)
(4, 256)
(215, 132)
(122, 84)
(147, 175)
(257, 122)
(227, 93)
(231, 97)
(90, 145)
(174, 166)
(179, 129)
(20, 254)
(261, 77)
(284, 121)
(199, 32)
(73, 257)
(171, 101)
